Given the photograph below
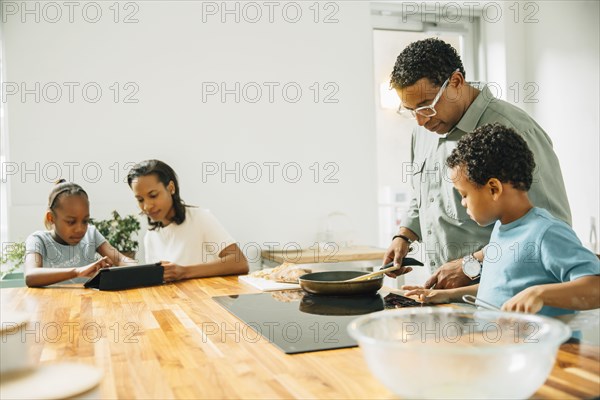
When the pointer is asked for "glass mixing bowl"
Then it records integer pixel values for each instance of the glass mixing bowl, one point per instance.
(452, 353)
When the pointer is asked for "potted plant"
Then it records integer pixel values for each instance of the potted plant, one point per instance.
(119, 231)
(12, 259)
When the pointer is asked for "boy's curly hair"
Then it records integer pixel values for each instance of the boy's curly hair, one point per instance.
(494, 151)
(430, 58)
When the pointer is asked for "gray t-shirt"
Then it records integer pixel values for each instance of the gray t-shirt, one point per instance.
(56, 255)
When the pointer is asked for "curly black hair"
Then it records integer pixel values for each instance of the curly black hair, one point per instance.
(430, 58)
(494, 151)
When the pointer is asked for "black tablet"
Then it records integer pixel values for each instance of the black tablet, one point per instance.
(118, 278)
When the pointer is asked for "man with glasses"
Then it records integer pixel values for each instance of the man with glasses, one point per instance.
(430, 79)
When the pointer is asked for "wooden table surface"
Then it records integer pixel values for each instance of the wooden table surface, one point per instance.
(173, 341)
(329, 253)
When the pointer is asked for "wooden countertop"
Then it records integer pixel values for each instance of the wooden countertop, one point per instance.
(173, 341)
(329, 253)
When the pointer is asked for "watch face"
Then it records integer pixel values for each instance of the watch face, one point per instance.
(471, 268)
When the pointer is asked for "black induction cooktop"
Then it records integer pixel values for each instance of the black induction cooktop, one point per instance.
(298, 322)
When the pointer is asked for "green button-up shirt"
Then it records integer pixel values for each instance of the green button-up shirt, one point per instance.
(435, 213)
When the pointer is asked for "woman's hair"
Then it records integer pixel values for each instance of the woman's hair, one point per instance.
(165, 174)
(62, 189)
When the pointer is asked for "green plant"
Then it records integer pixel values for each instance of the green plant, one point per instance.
(12, 253)
(118, 231)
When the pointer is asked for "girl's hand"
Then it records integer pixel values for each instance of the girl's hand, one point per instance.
(173, 272)
(89, 270)
(427, 295)
(528, 301)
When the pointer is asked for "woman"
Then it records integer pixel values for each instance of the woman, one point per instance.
(188, 241)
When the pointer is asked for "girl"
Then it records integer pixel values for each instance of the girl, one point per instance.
(190, 241)
(67, 250)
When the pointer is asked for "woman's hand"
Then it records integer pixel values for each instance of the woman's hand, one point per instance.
(91, 269)
(528, 301)
(173, 272)
(427, 295)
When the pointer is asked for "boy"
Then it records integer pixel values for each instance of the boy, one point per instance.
(534, 262)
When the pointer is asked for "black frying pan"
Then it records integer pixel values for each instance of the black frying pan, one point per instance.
(334, 283)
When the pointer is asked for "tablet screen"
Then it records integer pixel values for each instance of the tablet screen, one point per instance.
(96, 276)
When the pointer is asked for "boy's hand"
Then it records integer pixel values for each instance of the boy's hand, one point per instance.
(528, 301)
(427, 295)
(89, 270)
(173, 272)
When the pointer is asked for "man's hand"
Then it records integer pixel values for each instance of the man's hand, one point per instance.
(449, 276)
(398, 249)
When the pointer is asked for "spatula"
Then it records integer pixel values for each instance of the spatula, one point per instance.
(387, 268)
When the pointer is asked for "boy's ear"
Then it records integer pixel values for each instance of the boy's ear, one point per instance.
(495, 188)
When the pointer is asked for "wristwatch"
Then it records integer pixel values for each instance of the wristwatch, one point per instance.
(471, 267)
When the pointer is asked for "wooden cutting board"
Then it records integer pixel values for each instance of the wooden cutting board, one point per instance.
(330, 254)
(267, 285)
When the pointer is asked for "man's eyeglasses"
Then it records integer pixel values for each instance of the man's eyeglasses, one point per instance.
(425, 111)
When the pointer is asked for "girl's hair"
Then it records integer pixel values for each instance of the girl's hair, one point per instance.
(165, 174)
(62, 189)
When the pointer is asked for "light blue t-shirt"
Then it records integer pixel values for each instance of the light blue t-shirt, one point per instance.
(56, 255)
(536, 249)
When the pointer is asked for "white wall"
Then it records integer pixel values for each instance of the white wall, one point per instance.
(557, 52)
(169, 54)
(564, 60)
